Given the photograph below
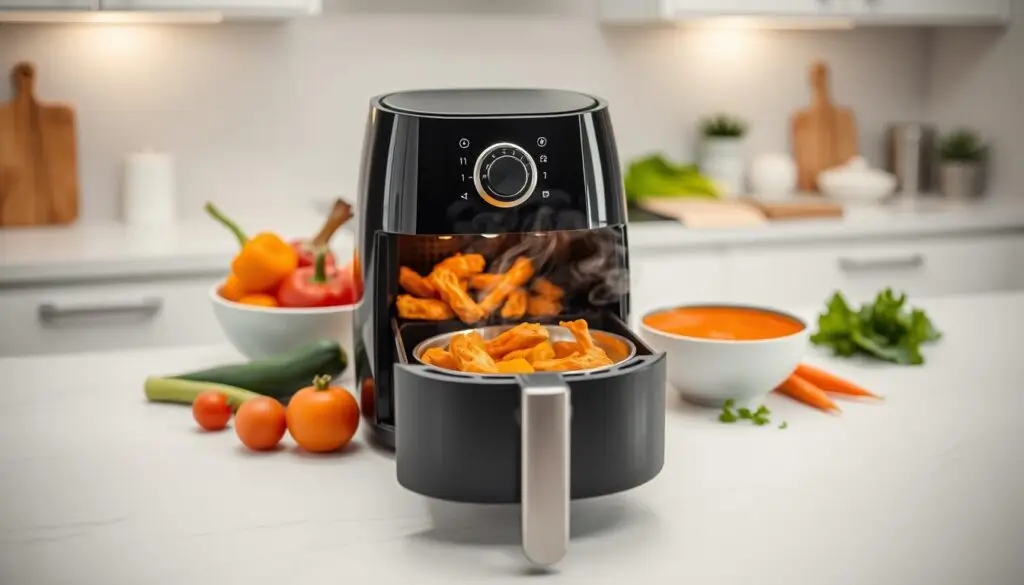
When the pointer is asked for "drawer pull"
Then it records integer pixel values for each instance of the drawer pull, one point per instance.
(890, 263)
(146, 308)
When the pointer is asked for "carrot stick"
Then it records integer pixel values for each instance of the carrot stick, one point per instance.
(799, 389)
(830, 382)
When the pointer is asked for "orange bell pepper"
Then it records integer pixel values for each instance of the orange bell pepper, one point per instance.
(264, 260)
(232, 289)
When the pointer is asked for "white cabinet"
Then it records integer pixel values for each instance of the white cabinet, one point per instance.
(663, 279)
(229, 7)
(934, 12)
(108, 316)
(861, 12)
(49, 4)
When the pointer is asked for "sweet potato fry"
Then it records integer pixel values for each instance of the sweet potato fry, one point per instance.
(410, 307)
(545, 288)
(539, 306)
(541, 351)
(471, 357)
(515, 305)
(415, 284)
(463, 265)
(516, 366)
(517, 275)
(573, 362)
(447, 285)
(565, 348)
(522, 336)
(484, 281)
(581, 332)
(441, 358)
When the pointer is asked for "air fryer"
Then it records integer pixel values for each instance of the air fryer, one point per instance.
(504, 174)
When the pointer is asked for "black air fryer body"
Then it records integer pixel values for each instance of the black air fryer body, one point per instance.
(502, 173)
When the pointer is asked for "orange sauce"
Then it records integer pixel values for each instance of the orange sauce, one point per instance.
(729, 323)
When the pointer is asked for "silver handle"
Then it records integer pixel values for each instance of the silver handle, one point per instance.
(545, 467)
(50, 312)
(893, 262)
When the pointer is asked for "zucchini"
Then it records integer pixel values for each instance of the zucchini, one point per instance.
(278, 376)
(186, 391)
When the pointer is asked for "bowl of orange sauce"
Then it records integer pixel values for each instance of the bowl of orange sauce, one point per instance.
(719, 352)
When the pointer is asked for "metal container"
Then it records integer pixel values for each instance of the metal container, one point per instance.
(910, 156)
(618, 348)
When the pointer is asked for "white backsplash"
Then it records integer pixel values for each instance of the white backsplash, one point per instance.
(262, 114)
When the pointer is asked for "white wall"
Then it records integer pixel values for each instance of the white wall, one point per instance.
(269, 113)
(977, 80)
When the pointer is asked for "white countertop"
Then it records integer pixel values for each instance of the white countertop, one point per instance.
(200, 246)
(99, 486)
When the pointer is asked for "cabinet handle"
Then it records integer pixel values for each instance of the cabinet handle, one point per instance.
(891, 263)
(146, 308)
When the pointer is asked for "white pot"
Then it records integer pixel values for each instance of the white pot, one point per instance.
(958, 180)
(722, 160)
(773, 176)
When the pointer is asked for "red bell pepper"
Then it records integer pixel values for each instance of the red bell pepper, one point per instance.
(316, 286)
(307, 249)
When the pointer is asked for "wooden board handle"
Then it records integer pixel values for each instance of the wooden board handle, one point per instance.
(23, 79)
(819, 83)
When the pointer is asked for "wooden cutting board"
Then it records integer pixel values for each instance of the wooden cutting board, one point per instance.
(701, 213)
(38, 157)
(801, 209)
(823, 135)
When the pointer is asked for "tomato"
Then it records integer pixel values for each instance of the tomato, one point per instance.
(211, 410)
(367, 402)
(260, 423)
(322, 418)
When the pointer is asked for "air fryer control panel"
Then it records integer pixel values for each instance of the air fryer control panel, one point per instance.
(500, 175)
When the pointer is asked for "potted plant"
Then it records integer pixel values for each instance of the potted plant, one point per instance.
(961, 158)
(722, 156)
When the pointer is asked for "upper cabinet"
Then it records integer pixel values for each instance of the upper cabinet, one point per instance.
(241, 7)
(49, 4)
(248, 8)
(807, 12)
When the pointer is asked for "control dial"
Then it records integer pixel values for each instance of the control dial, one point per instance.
(505, 175)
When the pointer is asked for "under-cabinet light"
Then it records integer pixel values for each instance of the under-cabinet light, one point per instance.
(109, 17)
(768, 23)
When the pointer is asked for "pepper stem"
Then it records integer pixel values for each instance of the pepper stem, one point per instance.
(321, 382)
(320, 266)
(223, 219)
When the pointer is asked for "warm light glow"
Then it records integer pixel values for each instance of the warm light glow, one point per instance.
(110, 17)
(444, 237)
(489, 235)
(773, 23)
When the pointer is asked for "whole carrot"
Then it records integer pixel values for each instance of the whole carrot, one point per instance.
(800, 389)
(831, 383)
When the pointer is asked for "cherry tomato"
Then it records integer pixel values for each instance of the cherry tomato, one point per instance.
(260, 423)
(211, 410)
(322, 418)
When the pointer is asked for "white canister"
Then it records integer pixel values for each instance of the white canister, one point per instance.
(722, 161)
(773, 176)
(148, 188)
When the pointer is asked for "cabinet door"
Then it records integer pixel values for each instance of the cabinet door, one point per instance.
(242, 6)
(49, 4)
(672, 278)
(769, 8)
(807, 276)
(108, 316)
(936, 11)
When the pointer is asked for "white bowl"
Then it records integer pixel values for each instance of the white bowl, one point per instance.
(259, 332)
(855, 181)
(707, 372)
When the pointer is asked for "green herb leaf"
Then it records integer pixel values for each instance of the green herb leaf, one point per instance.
(885, 329)
(784, 425)
(727, 417)
(746, 414)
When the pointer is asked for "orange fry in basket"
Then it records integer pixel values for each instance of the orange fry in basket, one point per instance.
(410, 307)
(539, 352)
(472, 357)
(516, 366)
(447, 285)
(573, 362)
(522, 336)
(515, 305)
(415, 284)
(463, 265)
(565, 348)
(517, 275)
(441, 358)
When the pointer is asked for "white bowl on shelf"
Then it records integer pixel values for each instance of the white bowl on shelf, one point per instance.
(855, 181)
